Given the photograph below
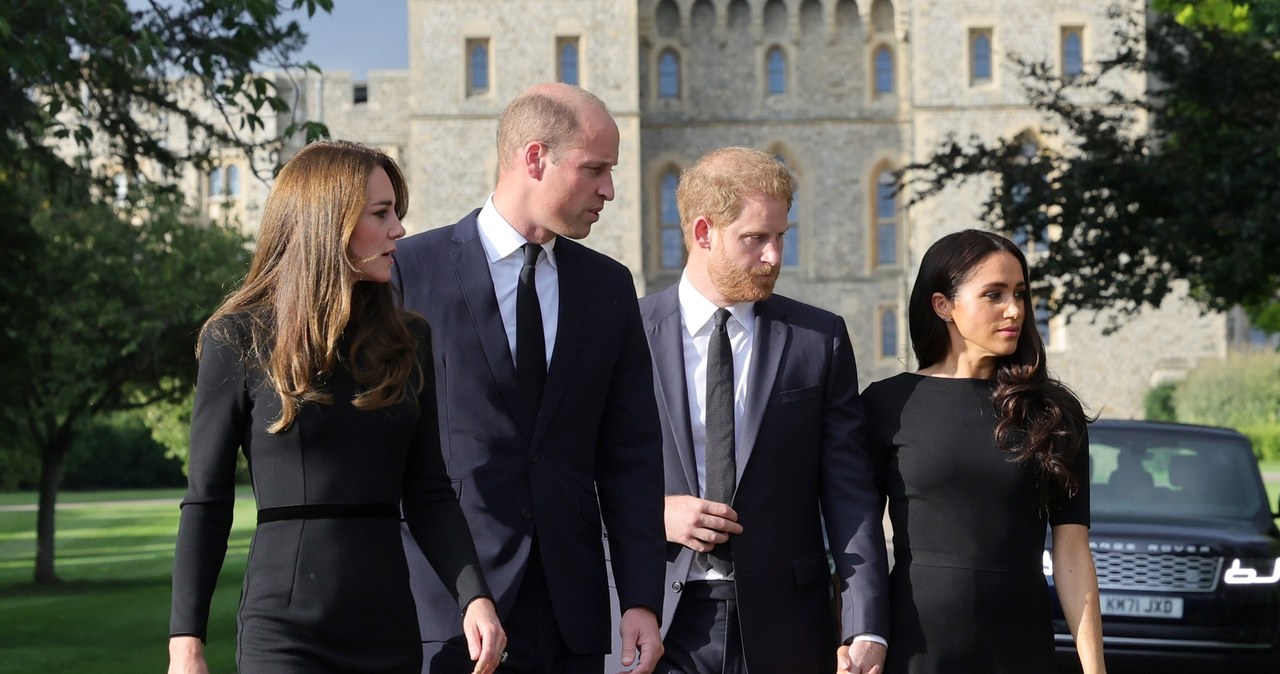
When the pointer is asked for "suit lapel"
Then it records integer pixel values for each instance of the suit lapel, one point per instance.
(471, 268)
(771, 336)
(570, 324)
(666, 340)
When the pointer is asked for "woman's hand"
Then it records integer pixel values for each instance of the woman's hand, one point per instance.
(486, 640)
(186, 656)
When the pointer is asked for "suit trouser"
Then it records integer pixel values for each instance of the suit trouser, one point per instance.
(534, 642)
(705, 636)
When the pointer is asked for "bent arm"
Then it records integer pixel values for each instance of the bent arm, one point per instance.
(1076, 580)
(431, 507)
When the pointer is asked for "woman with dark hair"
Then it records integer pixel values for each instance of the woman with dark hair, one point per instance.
(982, 450)
(328, 388)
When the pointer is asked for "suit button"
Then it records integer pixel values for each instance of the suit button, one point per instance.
(677, 586)
(526, 513)
(534, 457)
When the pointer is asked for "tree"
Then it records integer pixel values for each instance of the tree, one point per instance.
(101, 301)
(1123, 209)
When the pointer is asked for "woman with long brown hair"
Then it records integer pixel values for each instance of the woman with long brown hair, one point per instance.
(982, 450)
(328, 388)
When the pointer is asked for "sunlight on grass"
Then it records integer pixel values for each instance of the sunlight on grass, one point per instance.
(110, 615)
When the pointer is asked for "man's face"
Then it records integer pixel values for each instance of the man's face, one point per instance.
(578, 179)
(746, 254)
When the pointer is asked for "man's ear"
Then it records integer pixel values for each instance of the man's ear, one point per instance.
(702, 232)
(534, 158)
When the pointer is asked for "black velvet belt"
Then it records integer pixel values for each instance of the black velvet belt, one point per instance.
(328, 511)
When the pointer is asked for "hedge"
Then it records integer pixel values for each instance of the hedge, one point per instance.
(1265, 439)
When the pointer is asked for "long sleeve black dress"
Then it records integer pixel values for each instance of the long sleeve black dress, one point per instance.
(327, 587)
(967, 590)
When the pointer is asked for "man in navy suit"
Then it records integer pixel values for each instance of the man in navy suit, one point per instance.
(762, 443)
(547, 412)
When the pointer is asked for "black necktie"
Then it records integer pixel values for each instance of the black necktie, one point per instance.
(531, 345)
(721, 468)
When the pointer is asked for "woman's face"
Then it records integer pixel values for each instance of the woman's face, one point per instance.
(989, 308)
(374, 239)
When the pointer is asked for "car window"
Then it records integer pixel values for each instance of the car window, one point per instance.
(1159, 473)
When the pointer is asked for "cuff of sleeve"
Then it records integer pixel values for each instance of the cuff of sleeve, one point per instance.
(875, 638)
(472, 600)
(471, 586)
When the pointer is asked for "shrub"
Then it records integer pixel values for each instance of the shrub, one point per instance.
(1158, 403)
(1242, 390)
(116, 451)
(170, 424)
(1266, 441)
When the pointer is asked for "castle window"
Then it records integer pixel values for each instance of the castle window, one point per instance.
(884, 70)
(215, 182)
(669, 74)
(567, 60)
(888, 333)
(1023, 212)
(886, 220)
(791, 240)
(233, 181)
(477, 66)
(360, 93)
(1041, 307)
(121, 183)
(1072, 52)
(776, 65)
(672, 237)
(979, 56)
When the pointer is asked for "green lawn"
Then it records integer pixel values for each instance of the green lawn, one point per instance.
(111, 612)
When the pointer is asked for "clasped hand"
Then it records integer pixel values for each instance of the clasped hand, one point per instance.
(699, 524)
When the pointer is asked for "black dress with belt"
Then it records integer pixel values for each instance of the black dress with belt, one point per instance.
(967, 590)
(327, 587)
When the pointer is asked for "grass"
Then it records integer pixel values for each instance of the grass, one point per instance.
(111, 612)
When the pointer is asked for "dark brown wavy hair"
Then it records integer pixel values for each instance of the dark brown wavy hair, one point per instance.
(1041, 420)
(303, 289)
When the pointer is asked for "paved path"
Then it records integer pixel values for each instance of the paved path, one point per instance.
(31, 507)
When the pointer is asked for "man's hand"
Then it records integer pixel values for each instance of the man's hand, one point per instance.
(699, 524)
(641, 641)
(864, 657)
(486, 639)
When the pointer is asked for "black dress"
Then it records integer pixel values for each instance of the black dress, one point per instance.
(967, 590)
(327, 587)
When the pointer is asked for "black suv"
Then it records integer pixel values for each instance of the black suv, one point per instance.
(1186, 547)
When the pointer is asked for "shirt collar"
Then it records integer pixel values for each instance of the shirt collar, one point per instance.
(500, 239)
(697, 311)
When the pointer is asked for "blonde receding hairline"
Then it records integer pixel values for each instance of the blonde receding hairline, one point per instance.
(550, 113)
(717, 185)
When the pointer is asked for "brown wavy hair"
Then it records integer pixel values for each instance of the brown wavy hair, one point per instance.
(1041, 420)
(305, 304)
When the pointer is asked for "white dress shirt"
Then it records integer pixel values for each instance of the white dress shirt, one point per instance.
(502, 248)
(697, 314)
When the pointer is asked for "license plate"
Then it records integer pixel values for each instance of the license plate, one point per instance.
(1141, 607)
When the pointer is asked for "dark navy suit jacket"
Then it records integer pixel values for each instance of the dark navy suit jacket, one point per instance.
(804, 458)
(594, 454)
